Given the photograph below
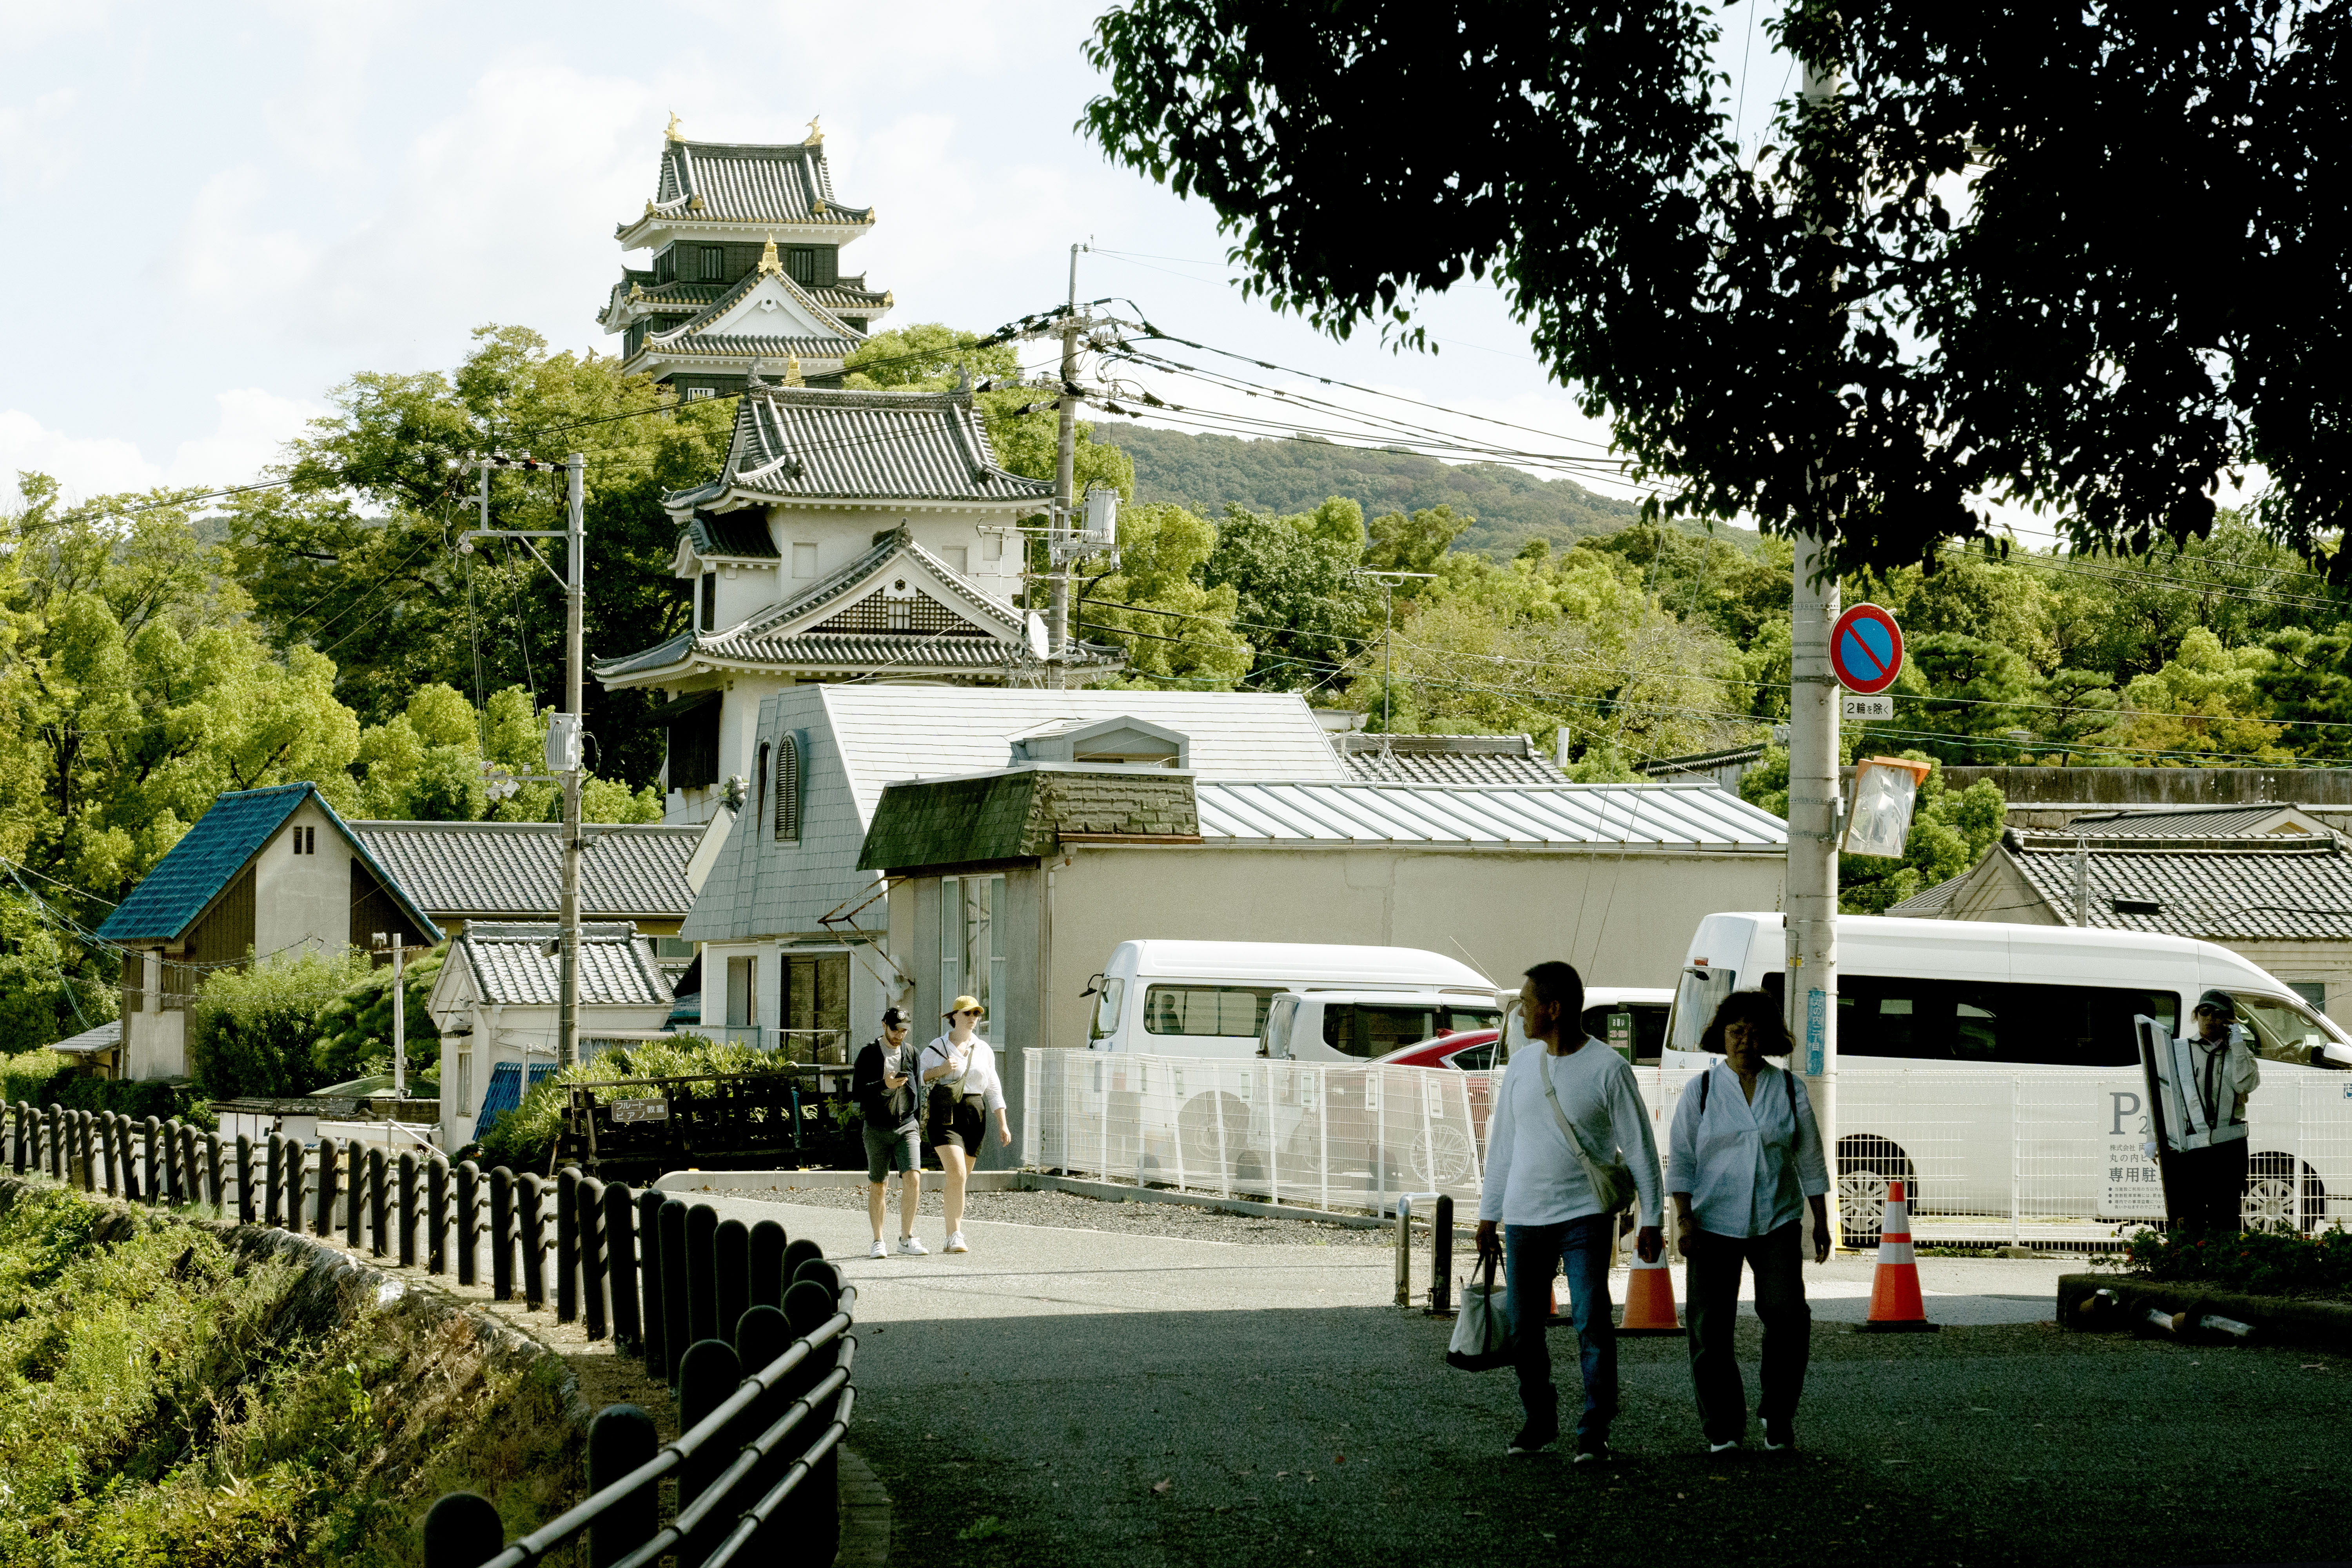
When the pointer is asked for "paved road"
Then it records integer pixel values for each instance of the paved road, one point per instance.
(1025, 1402)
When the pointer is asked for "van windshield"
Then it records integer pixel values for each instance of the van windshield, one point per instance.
(1106, 1006)
(2285, 1031)
(1697, 995)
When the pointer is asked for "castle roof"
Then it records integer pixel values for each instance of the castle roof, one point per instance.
(828, 447)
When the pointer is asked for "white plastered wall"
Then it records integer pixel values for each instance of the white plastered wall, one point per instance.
(302, 900)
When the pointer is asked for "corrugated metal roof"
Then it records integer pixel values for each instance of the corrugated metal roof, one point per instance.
(2254, 889)
(806, 443)
(105, 1037)
(1695, 816)
(510, 965)
(489, 870)
(890, 732)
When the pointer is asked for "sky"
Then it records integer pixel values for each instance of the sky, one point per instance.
(231, 208)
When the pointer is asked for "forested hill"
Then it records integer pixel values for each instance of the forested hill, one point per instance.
(1204, 473)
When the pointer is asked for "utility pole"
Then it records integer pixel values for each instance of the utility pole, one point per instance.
(399, 1017)
(2082, 881)
(563, 749)
(1815, 805)
(1389, 579)
(1065, 461)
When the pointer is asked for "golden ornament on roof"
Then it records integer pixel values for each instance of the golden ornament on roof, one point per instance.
(815, 135)
(671, 134)
(768, 262)
(793, 371)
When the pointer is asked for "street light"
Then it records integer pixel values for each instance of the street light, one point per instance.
(1389, 579)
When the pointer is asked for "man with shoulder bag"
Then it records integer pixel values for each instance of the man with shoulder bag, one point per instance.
(1569, 1148)
(881, 1083)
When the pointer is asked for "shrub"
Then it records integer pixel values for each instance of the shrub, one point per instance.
(27, 1075)
(252, 1030)
(2261, 1263)
(354, 1038)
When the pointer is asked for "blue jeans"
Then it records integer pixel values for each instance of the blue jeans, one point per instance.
(1532, 1256)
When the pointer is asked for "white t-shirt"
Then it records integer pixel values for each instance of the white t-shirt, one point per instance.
(1532, 1177)
(979, 1076)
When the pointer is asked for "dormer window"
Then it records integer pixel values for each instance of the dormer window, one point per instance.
(788, 790)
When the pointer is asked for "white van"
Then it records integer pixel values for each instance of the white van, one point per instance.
(1955, 1039)
(1303, 1001)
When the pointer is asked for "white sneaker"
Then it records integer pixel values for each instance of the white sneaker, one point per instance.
(955, 1242)
(879, 1250)
(908, 1247)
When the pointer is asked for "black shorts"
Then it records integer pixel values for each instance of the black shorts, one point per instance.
(959, 1122)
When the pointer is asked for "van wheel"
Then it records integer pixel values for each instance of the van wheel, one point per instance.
(1866, 1164)
(1196, 1133)
(2269, 1202)
(1445, 1159)
(1249, 1175)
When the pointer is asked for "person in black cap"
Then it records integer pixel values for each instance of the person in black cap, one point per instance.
(881, 1082)
(2214, 1071)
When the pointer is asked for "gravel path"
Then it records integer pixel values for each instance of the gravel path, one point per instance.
(1072, 1212)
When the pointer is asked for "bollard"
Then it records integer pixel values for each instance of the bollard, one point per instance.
(567, 1244)
(244, 1179)
(175, 1162)
(295, 1159)
(70, 1129)
(817, 1271)
(213, 1170)
(650, 1341)
(275, 1175)
(590, 1199)
(730, 1274)
(355, 1185)
(620, 1439)
(49, 1135)
(677, 1332)
(762, 1336)
(620, 1266)
(811, 1513)
(1440, 1259)
(798, 1253)
(533, 1226)
(701, 1273)
(707, 1378)
(466, 1233)
(768, 1264)
(407, 1196)
(463, 1530)
(322, 1223)
(148, 1154)
(378, 1242)
(106, 1151)
(17, 1136)
(501, 1235)
(436, 1214)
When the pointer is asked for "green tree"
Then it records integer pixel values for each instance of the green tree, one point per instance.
(1951, 831)
(252, 1030)
(2207, 699)
(1296, 597)
(2309, 686)
(353, 1031)
(1417, 542)
(1175, 631)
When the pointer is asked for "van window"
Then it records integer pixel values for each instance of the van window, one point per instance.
(1697, 995)
(1106, 1006)
(1234, 1012)
(1992, 1023)
(1649, 1027)
(1374, 1028)
(2283, 1031)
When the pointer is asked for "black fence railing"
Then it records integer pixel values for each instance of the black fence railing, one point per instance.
(761, 1404)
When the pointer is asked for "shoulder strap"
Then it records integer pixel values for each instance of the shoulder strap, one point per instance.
(1567, 1128)
(1790, 1076)
(1704, 1080)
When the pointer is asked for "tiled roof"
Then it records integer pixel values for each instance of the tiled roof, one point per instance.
(695, 335)
(494, 870)
(510, 965)
(1682, 815)
(2206, 820)
(1929, 903)
(846, 295)
(731, 537)
(90, 1042)
(740, 182)
(727, 345)
(2246, 890)
(818, 444)
(1448, 759)
(208, 857)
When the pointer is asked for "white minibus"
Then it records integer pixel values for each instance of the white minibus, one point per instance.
(1993, 1068)
(1325, 1001)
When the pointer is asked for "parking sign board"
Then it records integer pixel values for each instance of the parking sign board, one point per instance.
(1867, 649)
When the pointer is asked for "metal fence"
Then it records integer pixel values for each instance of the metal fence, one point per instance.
(700, 1298)
(2004, 1154)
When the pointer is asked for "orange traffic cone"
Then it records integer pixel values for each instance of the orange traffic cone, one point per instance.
(1650, 1301)
(1895, 1304)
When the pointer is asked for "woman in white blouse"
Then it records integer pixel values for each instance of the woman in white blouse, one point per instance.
(961, 1069)
(1743, 1161)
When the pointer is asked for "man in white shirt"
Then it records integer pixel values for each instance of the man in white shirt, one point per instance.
(1537, 1190)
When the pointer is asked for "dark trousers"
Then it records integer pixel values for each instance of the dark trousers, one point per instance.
(1533, 1256)
(1711, 1292)
(2208, 1187)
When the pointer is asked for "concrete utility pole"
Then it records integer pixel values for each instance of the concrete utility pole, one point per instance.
(1816, 804)
(1065, 461)
(567, 760)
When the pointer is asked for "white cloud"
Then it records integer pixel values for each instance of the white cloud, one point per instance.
(251, 428)
(36, 147)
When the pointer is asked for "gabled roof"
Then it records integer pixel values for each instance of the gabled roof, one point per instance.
(735, 536)
(818, 444)
(844, 623)
(509, 966)
(730, 182)
(1929, 903)
(1449, 759)
(90, 1042)
(2220, 889)
(1681, 816)
(209, 857)
(505, 870)
(2254, 818)
(763, 315)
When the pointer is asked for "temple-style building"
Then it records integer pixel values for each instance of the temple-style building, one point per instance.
(746, 243)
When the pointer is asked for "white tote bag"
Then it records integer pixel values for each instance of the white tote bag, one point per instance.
(1482, 1329)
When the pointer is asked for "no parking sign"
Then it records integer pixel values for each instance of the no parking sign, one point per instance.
(1867, 649)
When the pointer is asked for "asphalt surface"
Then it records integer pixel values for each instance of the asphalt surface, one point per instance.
(1067, 1395)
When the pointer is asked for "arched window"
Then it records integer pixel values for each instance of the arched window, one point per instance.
(788, 790)
(761, 773)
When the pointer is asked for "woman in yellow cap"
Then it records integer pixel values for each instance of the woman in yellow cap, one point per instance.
(960, 1068)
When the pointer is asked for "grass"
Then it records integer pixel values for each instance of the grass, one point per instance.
(165, 1401)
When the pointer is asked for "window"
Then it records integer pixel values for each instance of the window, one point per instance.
(2283, 1031)
(1107, 1007)
(711, 600)
(804, 559)
(1477, 1058)
(134, 983)
(1374, 1029)
(1279, 1020)
(1224, 1012)
(972, 958)
(306, 840)
(801, 261)
(697, 394)
(1989, 1022)
(465, 1085)
(759, 783)
(1697, 995)
(958, 556)
(788, 788)
(673, 947)
(815, 1008)
(714, 263)
(2312, 992)
(742, 992)
(1649, 1028)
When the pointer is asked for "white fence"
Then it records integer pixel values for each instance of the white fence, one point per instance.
(1988, 1153)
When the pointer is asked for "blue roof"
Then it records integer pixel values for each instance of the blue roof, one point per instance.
(209, 858)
